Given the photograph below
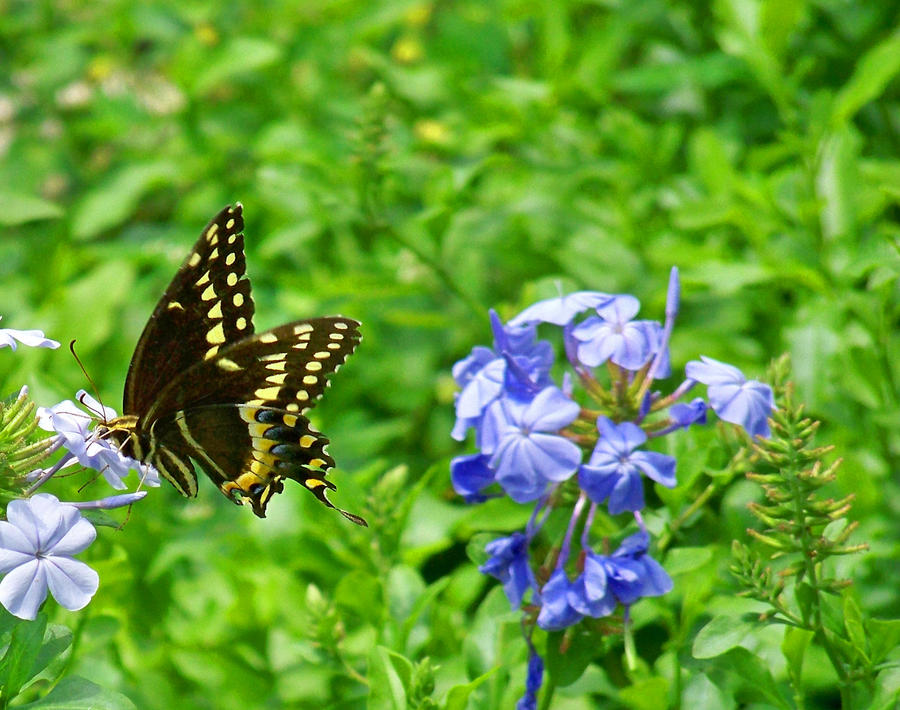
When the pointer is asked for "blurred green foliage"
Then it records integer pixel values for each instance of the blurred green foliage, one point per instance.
(411, 164)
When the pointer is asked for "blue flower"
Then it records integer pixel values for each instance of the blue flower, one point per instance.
(624, 577)
(654, 581)
(591, 594)
(556, 611)
(520, 365)
(614, 470)
(732, 396)
(683, 415)
(526, 451)
(32, 338)
(509, 564)
(533, 681)
(72, 424)
(470, 475)
(616, 337)
(562, 309)
(37, 543)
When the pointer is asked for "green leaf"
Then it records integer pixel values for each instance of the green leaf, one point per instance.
(701, 692)
(19, 208)
(874, 71)
(389, 676)
(458, 695)
(17, 664)
(794, 646)
(116, 199)
(720, 635)
(884, 636)
(646, 694)
(755, 675)
(567, 667)
(853, 623)
(74, 693)
(687, 559)
(240, 56)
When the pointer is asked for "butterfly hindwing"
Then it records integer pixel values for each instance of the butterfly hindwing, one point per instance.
(207, 305)
(248, 450)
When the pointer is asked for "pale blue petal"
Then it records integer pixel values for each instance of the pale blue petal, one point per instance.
(24, 589)
(628, 494)
(550, 411)
(659, 467)
(713, 372)
(71, 582)
(78, 537)
(562, 309)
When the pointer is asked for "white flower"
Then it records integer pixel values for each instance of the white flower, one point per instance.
(72, 424)
(36, 548)
(33, 338)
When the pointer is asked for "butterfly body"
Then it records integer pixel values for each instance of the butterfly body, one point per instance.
(205, 391)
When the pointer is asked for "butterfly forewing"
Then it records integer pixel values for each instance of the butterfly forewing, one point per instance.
(283, 368)
(207, 305)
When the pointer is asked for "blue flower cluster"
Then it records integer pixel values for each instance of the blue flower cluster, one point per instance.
(536, 437)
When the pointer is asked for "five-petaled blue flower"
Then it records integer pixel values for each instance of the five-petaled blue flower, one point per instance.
(613, 335)
(522, 437)
(614, 470)
(470, 475)
(508, 562)
(732, 396)
(37, 542)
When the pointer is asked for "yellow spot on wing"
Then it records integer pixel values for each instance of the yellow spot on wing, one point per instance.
(229, 224)
(293, 407)
(215, 311)
(306, 441)
(290, 420)
(303, 395)
(194, 260)
(341, 326)
(314, 482)
(268, 338)
(211, 352)
(231, 279)
(216, 336)
(230, 259)
(310, 379)
(228, 365)
(203, 279)
(211, 231)
(322, 355)
(268, 393)
(313, 366)
(240, 323)
(209, 294)
(278, 378)
(238, 299)
(280, 365)
(305, 328)
(175, 305)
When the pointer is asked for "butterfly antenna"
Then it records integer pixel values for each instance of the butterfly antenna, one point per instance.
(89, 379)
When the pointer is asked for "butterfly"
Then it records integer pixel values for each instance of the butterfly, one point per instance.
(204, 390)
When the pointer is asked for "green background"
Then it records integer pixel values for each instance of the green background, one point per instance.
(411, 164)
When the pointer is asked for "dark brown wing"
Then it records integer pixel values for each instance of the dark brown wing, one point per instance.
(207, 306)
(239, 415)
